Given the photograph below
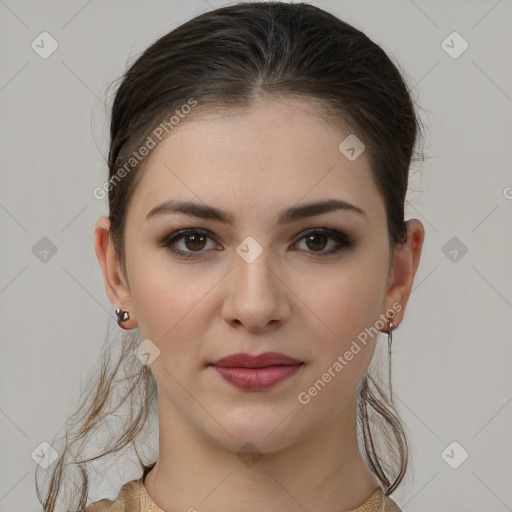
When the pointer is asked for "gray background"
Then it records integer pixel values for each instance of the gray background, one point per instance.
(452, 354)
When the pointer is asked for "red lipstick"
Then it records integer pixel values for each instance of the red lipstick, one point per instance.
(256, 372)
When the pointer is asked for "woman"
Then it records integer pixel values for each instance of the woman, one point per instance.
(256, 246)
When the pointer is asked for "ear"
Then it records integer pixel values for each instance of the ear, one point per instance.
(403, 269)
(116, 283)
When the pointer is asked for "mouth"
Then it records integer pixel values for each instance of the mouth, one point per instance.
(256, 372)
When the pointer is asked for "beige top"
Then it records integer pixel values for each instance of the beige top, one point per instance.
(133, 498)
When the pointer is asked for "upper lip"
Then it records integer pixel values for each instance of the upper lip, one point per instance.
(243, 360)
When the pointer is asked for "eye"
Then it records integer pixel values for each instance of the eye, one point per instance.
(317, 239)
(194, 240)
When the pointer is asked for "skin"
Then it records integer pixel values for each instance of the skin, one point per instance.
(294, 298)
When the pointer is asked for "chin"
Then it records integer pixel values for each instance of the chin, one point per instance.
(252, 434)
(256, 444)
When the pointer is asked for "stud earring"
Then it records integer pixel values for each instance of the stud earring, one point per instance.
(122, 316)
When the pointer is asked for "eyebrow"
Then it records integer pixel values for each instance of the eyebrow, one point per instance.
(294, 213)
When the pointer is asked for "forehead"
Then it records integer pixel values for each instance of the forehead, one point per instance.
(272, 152)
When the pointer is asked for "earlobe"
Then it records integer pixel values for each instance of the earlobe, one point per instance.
(115, 283)
(403, 268)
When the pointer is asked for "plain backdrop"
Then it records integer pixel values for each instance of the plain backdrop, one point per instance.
(452, 361)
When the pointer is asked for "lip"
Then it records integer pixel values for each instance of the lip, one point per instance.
(256, 372)
(243, 360)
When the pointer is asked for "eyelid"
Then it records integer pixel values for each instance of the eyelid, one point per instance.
(328, 231)
(182, 233)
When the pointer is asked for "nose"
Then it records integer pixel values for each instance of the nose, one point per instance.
(257, 297)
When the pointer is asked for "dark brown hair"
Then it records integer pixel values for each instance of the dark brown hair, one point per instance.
(229, 58)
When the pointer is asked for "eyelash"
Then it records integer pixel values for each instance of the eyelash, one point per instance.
(343, 240)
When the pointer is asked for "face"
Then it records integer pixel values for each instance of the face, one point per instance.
(305, 285)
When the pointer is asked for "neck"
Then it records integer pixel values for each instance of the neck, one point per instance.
(324, 472)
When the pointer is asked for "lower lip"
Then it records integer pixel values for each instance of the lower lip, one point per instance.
(256, 379)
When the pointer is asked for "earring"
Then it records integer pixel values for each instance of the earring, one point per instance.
(390, 342)
(122, 316)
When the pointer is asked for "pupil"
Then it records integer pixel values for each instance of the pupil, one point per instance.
(312, 238)
(195, 238)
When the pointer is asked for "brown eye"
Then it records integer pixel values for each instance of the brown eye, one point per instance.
(192, 241)
(317, 240)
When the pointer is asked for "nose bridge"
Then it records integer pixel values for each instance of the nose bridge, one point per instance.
(255, 297)
(253, 266)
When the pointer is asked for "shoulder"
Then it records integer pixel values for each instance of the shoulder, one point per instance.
(127, 500)
(390, 506)
(378, 502)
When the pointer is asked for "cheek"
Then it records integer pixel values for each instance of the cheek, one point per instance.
(349, 308)
(347, 303)
(170, 308)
